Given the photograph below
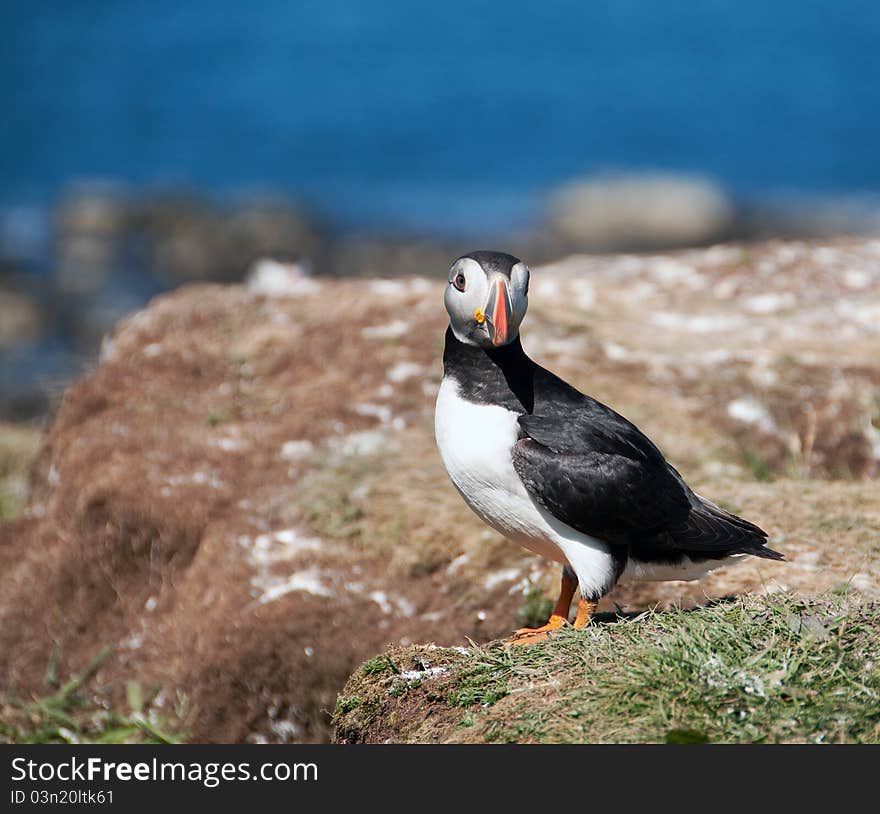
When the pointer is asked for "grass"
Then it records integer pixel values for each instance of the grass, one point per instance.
(70, 713)
(334, 502)
(483, 683)
(216, 417)
(761, 470)
(345, 704)
(18, 447)
(379, 665)
(780, 668)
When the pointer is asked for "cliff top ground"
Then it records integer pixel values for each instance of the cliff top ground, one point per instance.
(775, 669)
(243, 501)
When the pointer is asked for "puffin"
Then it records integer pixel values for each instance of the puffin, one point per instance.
(557, 471)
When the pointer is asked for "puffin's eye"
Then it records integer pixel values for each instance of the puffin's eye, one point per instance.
(459, 282)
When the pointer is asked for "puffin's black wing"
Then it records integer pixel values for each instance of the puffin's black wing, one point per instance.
(598, 473)
(603, 478)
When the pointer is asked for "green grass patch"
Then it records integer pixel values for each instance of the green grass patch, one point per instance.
(761, 670)
(216, 417)
(72, 713)
(779, 668)
(345, 704)
(757, 465)
(477, 693)
(379, 665)
(18, 448)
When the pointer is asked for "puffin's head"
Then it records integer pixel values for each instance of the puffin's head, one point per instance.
(487, 297)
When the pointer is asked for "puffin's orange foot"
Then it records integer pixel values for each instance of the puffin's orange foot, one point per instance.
(584, 614)
(553, 623)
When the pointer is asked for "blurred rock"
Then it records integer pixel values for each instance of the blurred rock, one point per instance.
(92, 318)
(90, 226)
(811, 217)
(191, 240)
(22, 320)
(638, 212)
(378, 256)
(173, 238)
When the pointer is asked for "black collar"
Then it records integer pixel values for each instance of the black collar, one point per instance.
(502, 376)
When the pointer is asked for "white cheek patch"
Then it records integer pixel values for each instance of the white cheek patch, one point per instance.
(461, 305)
(475, 279)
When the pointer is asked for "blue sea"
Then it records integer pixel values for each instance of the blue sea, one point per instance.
(436, 117)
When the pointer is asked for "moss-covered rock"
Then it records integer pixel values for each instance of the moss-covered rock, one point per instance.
(761, 669)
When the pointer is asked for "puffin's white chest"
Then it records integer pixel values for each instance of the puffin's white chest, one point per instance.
(476, 443)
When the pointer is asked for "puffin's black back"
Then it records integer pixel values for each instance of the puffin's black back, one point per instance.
(592, 468)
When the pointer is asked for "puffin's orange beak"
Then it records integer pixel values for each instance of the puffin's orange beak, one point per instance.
(499, 311)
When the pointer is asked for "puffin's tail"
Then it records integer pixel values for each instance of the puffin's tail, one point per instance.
(711, 530)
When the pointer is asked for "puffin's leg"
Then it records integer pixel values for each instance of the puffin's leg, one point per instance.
(563, 605)
(586, 609)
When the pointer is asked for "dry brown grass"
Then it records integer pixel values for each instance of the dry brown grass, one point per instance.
(244, 500)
